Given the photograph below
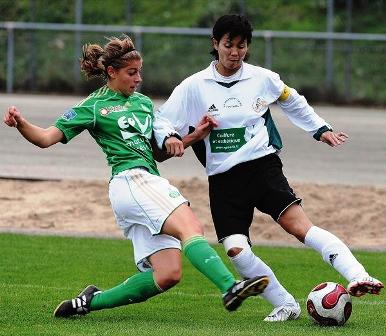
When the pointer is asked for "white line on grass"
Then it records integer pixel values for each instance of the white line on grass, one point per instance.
(33, 286)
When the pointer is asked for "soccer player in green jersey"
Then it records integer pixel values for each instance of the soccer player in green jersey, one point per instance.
(151, 212)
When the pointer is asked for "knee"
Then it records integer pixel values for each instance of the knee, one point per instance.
(168, 279)
(235, 244)
(234, 251)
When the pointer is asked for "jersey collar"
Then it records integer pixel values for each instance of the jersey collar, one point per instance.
(207, 73)
(116, 95)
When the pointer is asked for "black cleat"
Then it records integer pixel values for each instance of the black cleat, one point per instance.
(244, 289)
(78, 306)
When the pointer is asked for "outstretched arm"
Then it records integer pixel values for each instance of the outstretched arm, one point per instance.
(202, 130)
(41, 137)
(303, 115)
(175, 146)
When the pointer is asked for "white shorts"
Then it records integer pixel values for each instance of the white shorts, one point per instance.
(141, 203)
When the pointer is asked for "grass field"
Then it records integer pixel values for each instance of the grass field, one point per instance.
(37, 272)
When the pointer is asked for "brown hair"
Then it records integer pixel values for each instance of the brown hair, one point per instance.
(116, 53)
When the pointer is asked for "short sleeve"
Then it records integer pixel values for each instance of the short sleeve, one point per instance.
(74, 121)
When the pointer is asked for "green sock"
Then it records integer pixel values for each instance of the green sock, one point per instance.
(207, 261)
(137, 288)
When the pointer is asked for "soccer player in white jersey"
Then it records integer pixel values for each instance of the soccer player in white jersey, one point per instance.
(241, 158)
(150, 211)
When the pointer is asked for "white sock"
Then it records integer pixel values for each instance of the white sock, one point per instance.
(248, 266)
(334, 252)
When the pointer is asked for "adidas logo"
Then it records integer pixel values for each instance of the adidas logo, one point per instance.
(79, 304)
(213, 108)
(332, 258)
(211, 258)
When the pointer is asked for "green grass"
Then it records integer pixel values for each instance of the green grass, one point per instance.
(37, 272)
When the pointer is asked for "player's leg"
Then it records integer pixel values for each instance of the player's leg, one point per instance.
(137, 214)
(167, 267)
(165, 273)
(159, 260)
(332, 250)
(139, 197)
(137, 288)
(233, 197)
(249, 265)
(184, 225)
(284, 207)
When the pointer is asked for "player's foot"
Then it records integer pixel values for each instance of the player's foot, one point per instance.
(284, 313)
(242, 290)
(78, 306)
(364, 285)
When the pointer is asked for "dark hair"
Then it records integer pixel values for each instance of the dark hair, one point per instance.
(116, 53)
(234, 25)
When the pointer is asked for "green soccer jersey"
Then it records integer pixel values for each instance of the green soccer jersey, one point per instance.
(122, 126)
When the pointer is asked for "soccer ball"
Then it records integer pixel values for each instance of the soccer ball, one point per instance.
(329, 304)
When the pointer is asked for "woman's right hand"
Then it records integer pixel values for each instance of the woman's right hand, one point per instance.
(174, 146)
(12, 116)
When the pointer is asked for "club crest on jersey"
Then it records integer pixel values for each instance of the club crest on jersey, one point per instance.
(69, 115)
(232, 103)
(259, 105)
(174, 193)
(104, 111)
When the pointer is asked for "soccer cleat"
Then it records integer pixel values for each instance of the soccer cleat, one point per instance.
(241, 290)
(284, 313)
(78, 306)
(361, 286)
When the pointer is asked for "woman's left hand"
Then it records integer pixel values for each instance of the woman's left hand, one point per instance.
(206, 124)
(333, 139)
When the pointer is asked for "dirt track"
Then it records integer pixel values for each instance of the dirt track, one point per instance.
(356, 214)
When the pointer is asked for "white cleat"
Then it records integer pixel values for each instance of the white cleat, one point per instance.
(284, 313)
(361, 286)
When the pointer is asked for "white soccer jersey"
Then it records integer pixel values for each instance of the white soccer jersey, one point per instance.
(240, 104)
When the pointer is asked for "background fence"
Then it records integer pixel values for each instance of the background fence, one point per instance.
(43, 57)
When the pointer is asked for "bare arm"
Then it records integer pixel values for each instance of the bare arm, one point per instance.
(175, 147)
(202, 130)
(41, 137)
(158, 154)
